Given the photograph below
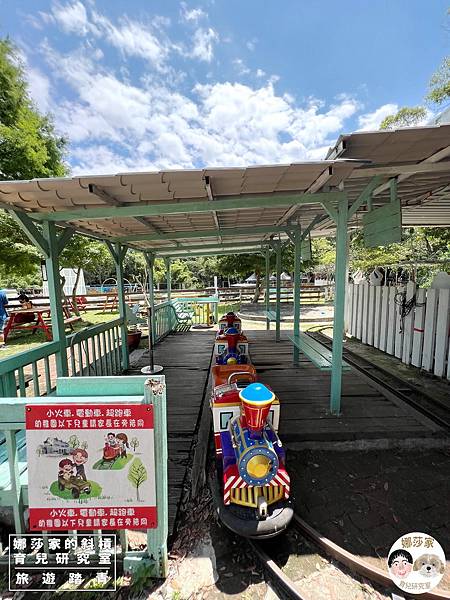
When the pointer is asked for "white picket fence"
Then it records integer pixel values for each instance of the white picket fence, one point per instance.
(373, 316)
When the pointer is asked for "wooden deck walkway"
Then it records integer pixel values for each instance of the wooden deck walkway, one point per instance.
(186, 359)
(304, 393)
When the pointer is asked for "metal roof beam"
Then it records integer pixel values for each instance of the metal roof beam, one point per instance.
(174, 208)
(434, 158)
(254, 250)
(224, 246)
(407, 169)
(205, 233)
(211, 199)
(111, 200)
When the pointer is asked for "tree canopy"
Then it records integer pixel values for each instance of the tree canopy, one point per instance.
(29, 146)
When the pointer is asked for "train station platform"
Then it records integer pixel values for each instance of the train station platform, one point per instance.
(368, 417)
(186, 358)
(361, 479)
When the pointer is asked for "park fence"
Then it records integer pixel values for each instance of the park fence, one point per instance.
(404, 321)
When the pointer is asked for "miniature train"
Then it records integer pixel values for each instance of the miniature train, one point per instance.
(253, 498)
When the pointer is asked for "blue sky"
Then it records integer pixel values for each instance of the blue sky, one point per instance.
(142, 85)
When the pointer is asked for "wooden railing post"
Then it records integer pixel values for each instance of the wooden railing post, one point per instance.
(118, 253)
(155, 394)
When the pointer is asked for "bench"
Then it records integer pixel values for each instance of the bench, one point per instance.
(69, 321)
(183, 313)
(320, 356)
(271, 316)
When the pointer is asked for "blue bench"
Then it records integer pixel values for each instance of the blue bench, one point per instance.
(320, 356)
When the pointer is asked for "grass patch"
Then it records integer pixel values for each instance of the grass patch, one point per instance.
(118, 464)
(22, 340)
(66, 494)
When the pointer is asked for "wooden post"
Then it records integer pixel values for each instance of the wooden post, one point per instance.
(168, 278)
(278, 304)
(55, 297)
(118, 253)
(297, 285)
(267, 287)
(150, 258)
(339, 306)
(155, 394)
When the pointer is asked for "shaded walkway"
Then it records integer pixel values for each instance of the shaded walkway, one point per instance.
(186, 359)
(304, 393)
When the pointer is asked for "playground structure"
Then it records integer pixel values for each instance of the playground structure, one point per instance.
(382, 180)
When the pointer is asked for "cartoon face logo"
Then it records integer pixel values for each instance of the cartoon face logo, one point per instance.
(416, 562)
(429, 565)
(400, 563)
(80, 456)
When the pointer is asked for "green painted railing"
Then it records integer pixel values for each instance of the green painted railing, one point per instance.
(165, 320)
(91, 351)
(13, 457)
(95, 350)
(202, 309)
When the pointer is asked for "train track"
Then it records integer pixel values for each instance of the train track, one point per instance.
(431, 407)
(349, 563)
(352, 564)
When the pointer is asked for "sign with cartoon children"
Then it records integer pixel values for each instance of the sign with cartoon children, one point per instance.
(91, 466)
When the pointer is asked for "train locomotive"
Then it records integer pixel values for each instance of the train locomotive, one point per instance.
(253, 487)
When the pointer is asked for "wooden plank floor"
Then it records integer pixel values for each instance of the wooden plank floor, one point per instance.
(186, 359)
(304, 393)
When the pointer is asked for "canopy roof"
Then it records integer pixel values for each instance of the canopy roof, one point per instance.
(238, 207)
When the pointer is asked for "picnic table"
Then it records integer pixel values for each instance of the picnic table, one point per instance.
(15, 322)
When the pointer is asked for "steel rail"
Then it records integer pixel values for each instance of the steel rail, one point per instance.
(281, 581)
(354, 563)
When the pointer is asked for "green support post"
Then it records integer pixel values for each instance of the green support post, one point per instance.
(339, 306)
(150, 259)
(155, 394)
(118, 253)
(267, 286)
(278, 305)
(55, 296)
(297, 289)
(168, 278)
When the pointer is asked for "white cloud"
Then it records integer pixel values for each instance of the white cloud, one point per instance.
(193, 15)
(251, 44)
(131, 37)
(39, 88)
(117, 121)
(371, 121)
(134, 39)
(241, 67)
(71, 17)
(152, 126)
(203, 44)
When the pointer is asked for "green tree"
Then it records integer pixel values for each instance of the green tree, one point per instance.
(405, 117)
(439, 86)
(29, 146)
(19, 259)
(74, 442)
(137, 474)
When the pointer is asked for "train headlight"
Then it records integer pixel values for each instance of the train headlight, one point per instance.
(258, 466)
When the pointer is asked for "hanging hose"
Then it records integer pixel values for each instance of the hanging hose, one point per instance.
(405, 306)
